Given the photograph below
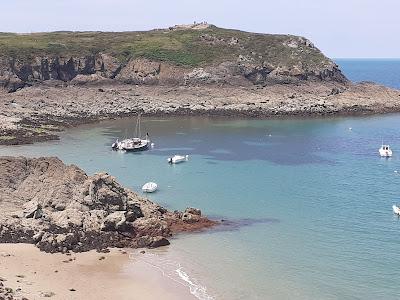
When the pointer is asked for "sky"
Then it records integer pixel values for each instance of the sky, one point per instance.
(340, 28)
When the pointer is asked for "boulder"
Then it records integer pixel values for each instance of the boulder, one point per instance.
(67, 218)
(140, 71)
(32, 209)
(158, 241)
(193, 211)
(191, 215)
(114, 221)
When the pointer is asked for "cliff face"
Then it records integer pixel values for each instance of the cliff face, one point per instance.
(210, 55)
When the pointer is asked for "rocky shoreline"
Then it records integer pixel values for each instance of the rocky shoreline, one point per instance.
(37, 113)
(60, 209)
(183, 70)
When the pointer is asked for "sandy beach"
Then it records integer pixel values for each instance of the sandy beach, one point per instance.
(91, 275)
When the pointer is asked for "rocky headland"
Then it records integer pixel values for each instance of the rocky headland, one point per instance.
(60, 209)
(49, 81)
(180, 55)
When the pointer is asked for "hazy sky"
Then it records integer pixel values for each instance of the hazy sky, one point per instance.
(340, 28)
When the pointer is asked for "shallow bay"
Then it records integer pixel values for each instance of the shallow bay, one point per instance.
(314, 194)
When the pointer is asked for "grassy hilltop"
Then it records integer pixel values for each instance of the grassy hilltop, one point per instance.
(185, 47)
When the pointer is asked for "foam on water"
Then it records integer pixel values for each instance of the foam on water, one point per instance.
(174, 271)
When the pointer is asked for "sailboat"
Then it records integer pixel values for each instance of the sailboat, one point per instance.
(133, 144)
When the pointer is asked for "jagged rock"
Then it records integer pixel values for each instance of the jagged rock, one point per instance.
(114, 221)
(189, 218)
(89, 79)
(158, 241)
(191, 215)
(63, 209)
(68, 217)
(193, 211)
(335, 91)
(140, 71)
(38, 236)
(108, 65)
(32, 209)
(7, 293)
(152, 226)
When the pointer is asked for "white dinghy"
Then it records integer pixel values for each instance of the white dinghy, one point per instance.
(149, 187)
(177, 159)
(385, 151)
(396, 210)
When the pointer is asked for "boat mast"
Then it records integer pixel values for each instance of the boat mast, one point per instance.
(140, 130)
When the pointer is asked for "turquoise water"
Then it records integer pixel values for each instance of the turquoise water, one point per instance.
(384, 71)
(315, 196)
(312, 198)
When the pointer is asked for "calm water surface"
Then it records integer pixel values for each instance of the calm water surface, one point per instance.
(315, 194)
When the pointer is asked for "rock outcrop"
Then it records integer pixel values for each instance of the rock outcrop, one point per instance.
(59, 208)
(188, 55)
(103, 68)
(5, 292)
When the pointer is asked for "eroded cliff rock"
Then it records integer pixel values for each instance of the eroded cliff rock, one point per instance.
(188, 56)
(59, 208)
(100, 68)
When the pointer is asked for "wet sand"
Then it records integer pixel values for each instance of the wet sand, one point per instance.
(89, 275)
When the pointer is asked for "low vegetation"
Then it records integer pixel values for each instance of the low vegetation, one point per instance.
(185, 47)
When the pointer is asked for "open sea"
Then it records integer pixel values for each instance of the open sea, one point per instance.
(383, 71)
(311, 198)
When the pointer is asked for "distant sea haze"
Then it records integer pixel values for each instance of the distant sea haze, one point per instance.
(383, 71)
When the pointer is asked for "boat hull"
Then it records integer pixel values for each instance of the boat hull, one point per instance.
(149, 187)
(137, 149)
(396, 210)
(176, 159)
(385, 151)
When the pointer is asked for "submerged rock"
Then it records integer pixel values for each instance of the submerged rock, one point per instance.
(60, 208)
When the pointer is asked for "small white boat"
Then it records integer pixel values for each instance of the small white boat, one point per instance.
(149, 187)
(133, 144)
(177, 159)
(396, 210)
(385, 151)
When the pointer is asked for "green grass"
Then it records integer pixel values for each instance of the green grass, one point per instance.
(179, 47)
